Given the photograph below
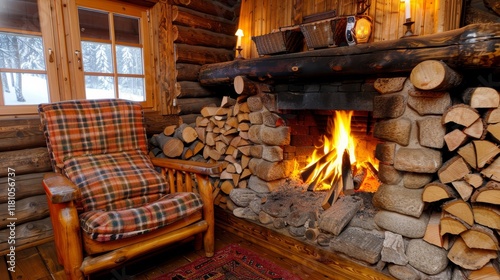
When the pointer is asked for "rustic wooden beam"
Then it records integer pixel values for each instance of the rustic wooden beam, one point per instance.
(473, 46)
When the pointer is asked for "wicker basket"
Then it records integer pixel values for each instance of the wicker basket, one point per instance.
(318, 34)
(287, 41)
(338, 26)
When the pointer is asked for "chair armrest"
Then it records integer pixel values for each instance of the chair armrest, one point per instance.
(189, 166)
(59, 189)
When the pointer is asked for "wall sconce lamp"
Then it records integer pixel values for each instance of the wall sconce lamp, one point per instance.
(408, 22)
(239, 33)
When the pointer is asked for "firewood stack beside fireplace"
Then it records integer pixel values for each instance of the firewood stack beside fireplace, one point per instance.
(245, 134)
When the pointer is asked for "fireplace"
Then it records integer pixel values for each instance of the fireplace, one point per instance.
(436, 194)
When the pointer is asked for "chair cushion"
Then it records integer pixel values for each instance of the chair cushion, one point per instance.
(115, 181)
(112, 225)
(82, 127)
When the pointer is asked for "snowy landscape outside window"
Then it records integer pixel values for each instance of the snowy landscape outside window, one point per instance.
(112, 55)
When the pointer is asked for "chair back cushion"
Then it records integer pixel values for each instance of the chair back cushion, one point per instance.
(87, 127)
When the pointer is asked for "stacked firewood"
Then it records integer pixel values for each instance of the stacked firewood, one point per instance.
(468, 189)
(244, 134)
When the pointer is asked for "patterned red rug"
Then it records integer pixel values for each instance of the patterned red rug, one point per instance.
(231, 262)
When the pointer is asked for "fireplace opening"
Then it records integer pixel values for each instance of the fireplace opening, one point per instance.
(341, 159)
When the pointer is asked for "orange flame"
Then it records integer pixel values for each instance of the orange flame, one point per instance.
(328, 163)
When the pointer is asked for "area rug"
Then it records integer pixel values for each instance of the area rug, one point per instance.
(231, 262)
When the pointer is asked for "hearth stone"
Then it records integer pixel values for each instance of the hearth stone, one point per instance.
(405, 272)
(423, 160)
(387, 174)
(359, 244)
(394, 249)
(393, 130)
(429, 103)
(242, 197)
(399, 199)
(425, 257)
(413, 180)
(389, 106)
(407, 226)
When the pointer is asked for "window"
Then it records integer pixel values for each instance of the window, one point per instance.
(110, 51)
(107, 54)
(26, 56)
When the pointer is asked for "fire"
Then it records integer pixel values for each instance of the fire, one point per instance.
(324, 168)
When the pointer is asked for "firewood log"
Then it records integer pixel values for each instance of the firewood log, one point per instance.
(453, 169)
(478, 153)
(489, 193)
(436, 191)
(455, 139)
(172, 147)
(450, 224)
(474, 179)
(492, 116)
(434, 75)
(245, 86)
(463, 188)
(487, 215)
(459, 209)
(494, 131)
(481, 97)
(476, 130)
(185, 133)
(492, 171)
(469, 258)
(461, 114)
(480, 237)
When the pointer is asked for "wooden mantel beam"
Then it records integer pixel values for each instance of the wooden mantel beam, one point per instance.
(470, 47)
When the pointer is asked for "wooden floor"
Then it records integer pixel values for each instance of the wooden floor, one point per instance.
(41, 262)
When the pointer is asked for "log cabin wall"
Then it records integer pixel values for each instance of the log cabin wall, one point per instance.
(199, 32)
(23, 161)
(260, 17)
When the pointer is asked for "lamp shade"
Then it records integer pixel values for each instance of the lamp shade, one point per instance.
(239, 33)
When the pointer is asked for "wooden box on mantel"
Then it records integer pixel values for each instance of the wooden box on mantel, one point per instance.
(282, 41)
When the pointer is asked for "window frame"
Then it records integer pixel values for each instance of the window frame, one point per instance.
(74, 44)
(46, 27)
(61, 37)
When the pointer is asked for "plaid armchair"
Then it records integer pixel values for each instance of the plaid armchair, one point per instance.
(106, 194)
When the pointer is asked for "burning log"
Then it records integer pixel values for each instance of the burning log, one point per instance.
(308, 171)
(347, 181)
(359, 177)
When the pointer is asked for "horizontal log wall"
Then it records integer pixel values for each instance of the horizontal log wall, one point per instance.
(24, 155)
(192, 33)
(259, 17)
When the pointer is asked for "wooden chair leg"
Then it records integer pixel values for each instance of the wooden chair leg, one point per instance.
(70, 244)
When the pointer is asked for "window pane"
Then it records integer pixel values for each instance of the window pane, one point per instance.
(93, 24)
(97, 57)
(21, 52)
(129, 60)
(99, 87)
(126, 29)
(24, 89)
(131, 88)
(20, 15)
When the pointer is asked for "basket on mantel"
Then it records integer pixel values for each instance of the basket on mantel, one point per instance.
(318, 34)
(283, 41)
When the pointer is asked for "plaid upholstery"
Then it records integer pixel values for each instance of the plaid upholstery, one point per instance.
(101, 146)
(111, 225)
(115, 181)
(81, 127)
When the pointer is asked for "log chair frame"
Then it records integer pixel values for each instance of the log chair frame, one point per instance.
(62, 193)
